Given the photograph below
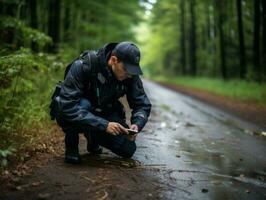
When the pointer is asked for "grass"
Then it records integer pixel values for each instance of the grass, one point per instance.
(29, 80)
(237, 89)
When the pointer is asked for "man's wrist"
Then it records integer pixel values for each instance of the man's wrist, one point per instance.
(105, 125)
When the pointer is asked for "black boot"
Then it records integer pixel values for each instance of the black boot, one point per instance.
(72, 151)
(95, 150)
(92, 146)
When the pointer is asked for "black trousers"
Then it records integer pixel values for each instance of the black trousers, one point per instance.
(119, 144)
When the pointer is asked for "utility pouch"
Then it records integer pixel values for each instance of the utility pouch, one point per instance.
(53, 109)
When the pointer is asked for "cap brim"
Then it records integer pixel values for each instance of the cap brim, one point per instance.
(133, 69)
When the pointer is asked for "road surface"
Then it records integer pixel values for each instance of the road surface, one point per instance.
(188, 150)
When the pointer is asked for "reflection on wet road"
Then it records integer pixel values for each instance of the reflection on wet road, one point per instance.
(188, 150)
(198, 152)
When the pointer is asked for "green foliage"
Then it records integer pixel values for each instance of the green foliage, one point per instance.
(25, 96)
(237, 89)
(4, 154)
(22, 33)
(163, 49)
(17, 64)
(100, 22)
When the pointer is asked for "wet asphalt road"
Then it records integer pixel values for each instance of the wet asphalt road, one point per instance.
(202, 153)
(188, 150)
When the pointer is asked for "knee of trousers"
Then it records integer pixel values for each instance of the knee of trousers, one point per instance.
(127, 149)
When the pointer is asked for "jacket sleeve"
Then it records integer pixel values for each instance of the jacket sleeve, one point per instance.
(70, 99)
(138, 102)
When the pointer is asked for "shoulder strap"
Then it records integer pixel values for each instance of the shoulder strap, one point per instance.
(90, 59)
(91, 67)
(94, 63)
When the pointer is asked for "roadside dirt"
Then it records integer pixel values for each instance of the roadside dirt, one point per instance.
(248, 111)
(49, 147)
(46, 176)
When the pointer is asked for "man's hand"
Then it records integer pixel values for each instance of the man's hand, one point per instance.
(134, 127)
(133, 137)
(115, 128)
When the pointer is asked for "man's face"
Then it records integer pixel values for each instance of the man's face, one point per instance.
(119, 70)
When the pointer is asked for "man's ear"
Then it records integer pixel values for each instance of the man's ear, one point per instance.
(113, 59)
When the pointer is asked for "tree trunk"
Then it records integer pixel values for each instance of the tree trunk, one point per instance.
(67, 20)
(182, 38)
(2, 8)
(54, 24)
(221, 38)
(193, 59)
(256, 40)
(10, 9)
(242, 50)
(33, 21)
(9, 33)
(263, 3)
(24, 11)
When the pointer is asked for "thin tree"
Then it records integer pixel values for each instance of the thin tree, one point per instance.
(263, 3)
(256, 40)
(220, 8)
(67, 20)
(242, 50)
(54, 24)
(33, 20)
(182, 37)
(193, 46)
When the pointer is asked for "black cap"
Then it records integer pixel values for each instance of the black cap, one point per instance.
(129, 54)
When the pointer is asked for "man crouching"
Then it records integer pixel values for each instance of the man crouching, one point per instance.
(87, 101)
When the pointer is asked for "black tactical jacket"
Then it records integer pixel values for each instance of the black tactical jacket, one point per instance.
(78, 84)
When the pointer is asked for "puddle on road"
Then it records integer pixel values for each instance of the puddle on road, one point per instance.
(182, 143)
(209, 152)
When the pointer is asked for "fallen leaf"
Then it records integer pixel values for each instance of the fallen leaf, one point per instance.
(204, 190)
(242, 176)
(188, 124)
(216, 182)
(44, 195)
(104, 196)
(18, 188)
(6, 172)
(89, 179)
(248, 132)
(247, 191)
(35, 184)
(125, 164)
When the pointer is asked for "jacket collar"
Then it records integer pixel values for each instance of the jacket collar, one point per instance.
(104, 55)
